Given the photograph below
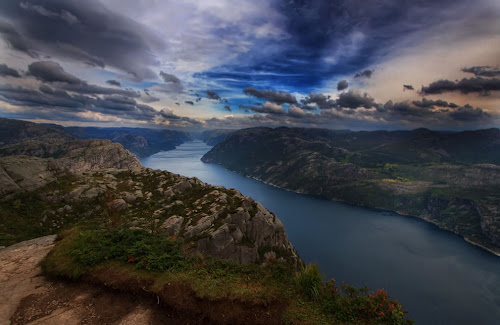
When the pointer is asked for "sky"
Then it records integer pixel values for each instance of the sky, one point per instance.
(206, 64)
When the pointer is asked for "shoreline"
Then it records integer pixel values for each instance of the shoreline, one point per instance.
(469, 241)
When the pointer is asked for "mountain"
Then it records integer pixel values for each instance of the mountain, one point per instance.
(213, 137)
(141, 142)
(67, 152)
(15, 131)
(450, 179)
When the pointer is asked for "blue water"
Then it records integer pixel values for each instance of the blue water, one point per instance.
(436, 275)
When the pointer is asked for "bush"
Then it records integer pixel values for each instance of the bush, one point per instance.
(153, 253)
(310, 282)
(349, 304)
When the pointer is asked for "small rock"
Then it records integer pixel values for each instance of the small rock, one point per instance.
(118, 204)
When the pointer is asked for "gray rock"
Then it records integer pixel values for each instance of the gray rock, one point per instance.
(25, 173)
(172, 225)
(118, 205)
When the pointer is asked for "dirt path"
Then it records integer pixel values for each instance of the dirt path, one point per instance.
(19, 273)
(26, 297)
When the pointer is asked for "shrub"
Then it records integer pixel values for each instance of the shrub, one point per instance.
(349, 304)
(153, 253)
(309, 281)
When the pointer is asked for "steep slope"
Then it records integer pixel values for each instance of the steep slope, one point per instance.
(450, 179)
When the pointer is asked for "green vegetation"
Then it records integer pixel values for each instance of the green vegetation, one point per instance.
(132, 260)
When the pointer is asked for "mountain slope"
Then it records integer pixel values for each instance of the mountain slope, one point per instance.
(450, 179)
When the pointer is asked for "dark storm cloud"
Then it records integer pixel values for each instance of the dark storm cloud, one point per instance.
(245, 108)
(50, 71)
(15, 40)
(64, 15)
(343, 84)
(63, 94)
(5, 71)
(172, 85)
(266, 108)
(354, 99)
(469, 113)
(188, 102)
(46, 97)
(85, 31)
(364, 74)
(169, 78)
(114, 83)
(465, 86)
(483, 71)
(404, 109)
(166, 116)
(56, 101)
(428, 115)
(322, 101)
(408, 87)
(213, 95)
(277, 97)
(67, 50)
(430, 103)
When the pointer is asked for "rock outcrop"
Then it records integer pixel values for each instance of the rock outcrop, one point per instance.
(25, 173)
(219, 222)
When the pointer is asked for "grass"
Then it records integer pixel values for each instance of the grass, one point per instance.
(159, 263)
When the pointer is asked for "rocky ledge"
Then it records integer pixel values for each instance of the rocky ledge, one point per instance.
(216, 221)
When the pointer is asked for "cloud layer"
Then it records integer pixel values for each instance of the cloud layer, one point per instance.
(187, 63)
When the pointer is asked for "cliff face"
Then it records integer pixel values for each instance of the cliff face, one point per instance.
(88, 155)
(450, 179)
(39, 197)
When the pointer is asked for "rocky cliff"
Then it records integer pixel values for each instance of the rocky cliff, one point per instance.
(421, 172)
(39, 197)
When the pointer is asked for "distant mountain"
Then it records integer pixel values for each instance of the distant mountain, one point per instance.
(139, 141)
(213, 137)
(68, 153)
(16, 131)
(450, 179)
